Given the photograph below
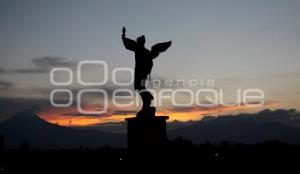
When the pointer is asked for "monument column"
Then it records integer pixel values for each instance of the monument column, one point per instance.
(145, 130)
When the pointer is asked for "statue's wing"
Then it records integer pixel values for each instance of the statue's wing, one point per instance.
(159, 48)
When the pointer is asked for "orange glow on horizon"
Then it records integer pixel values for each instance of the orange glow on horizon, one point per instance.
(61, 118)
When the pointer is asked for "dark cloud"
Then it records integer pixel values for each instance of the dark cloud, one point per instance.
(77, 114)
(3, 70)
(289, 117)
(30, 70)
(44, 64)
(5, 85)
(194, 108)
(279, 115)
(216, 107)
(120, 112)
(51, 62)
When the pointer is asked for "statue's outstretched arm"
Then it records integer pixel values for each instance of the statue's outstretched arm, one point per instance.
(128, 43)
(159, 48)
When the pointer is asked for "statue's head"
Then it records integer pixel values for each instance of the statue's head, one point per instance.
(141, 40)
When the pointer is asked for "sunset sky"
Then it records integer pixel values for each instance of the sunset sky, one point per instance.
(240, 44)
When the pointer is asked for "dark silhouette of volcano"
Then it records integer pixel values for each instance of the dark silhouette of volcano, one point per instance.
(27, 126)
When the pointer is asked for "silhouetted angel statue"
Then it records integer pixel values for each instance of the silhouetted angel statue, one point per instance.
(143, 66)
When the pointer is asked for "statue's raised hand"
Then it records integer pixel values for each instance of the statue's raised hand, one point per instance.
(124, 30)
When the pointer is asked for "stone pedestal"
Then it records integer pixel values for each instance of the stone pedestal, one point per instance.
(146, 132)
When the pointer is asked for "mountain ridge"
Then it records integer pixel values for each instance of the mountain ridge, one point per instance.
(27, 126)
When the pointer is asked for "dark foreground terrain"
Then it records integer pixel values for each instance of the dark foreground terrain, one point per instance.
(179, 153)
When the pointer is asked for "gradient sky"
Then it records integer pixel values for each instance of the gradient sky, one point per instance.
(239, 43)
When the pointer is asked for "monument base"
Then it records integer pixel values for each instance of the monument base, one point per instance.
(146, 132)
